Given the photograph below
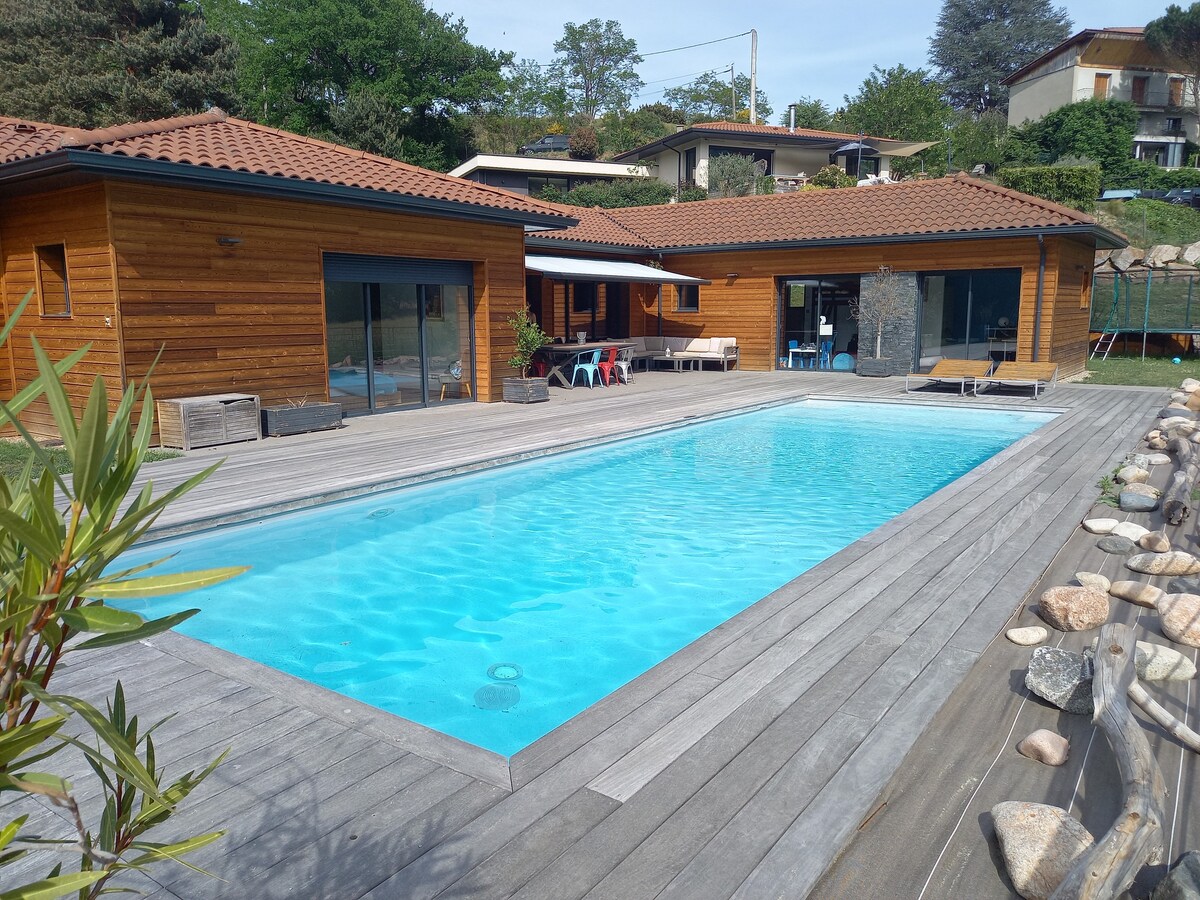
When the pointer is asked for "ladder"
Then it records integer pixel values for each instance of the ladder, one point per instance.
(1108, 337)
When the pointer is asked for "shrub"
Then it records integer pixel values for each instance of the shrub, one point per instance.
(529, 337)
(731, 175)
(622, 192)
(1074, 186)
(831, 176)
(690, 192)
(583, 143)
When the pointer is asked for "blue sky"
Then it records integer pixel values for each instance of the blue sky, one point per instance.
(804, 49)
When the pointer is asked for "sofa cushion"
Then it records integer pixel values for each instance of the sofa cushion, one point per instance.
(697, 345)
(653, 343)
(639, 344)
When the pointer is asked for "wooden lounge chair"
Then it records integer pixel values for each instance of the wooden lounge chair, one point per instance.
(1040, 376)
(960, 372)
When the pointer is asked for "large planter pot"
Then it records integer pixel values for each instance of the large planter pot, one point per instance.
(281, 420)
(874, 368)
(526, 390)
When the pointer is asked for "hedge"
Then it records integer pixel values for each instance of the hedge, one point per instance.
(1074, 186)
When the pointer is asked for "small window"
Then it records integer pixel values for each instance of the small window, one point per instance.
(1174, 125)
(687, 298)
(583, 296)
(53, 290)
(1175, 90)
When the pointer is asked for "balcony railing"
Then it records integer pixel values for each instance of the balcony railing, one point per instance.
(1151, 99)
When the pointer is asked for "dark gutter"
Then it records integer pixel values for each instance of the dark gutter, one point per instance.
(189, 175)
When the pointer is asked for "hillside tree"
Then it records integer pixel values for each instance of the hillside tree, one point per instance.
(979, 43)
(91, 63)
(595, 67)
(710, 98)
(899, 103)
(1176, 36)
(810, 113)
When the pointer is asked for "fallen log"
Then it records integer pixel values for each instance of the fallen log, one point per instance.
(1154, 710)
(1136, 837)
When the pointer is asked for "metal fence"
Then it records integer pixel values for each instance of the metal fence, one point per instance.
(1147, 301)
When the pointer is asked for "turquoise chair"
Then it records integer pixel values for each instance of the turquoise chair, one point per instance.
(793, 345)
(588, 362)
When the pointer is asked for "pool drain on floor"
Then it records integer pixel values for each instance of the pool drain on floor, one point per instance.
(497, 696)
(380, 513)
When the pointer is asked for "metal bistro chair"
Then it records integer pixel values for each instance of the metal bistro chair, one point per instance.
(608, 365)
(588, 362)
(625, 365)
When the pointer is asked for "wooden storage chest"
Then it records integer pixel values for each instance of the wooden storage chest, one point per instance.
(188, 422)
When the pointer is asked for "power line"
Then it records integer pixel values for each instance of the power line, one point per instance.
(693, 46)
(664, 90)
(689, 75)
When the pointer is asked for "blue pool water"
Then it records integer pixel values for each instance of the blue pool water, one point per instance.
(495, 606)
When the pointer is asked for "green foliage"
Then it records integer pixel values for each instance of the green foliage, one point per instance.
(91, 63)
(1074, 186)
(619, 193)
(15, 454)
(529, 337)
(900, 103)
(1150, 372)
(1150, 222)
(620, 131)
(595, 67)
(731, 175)
(1176, 35)
(690, 192)
(711, 98)
(974, 141)
(832, 177)
(583, 143)
(60, 540)
(1110, 490)
(810, 113)
(1138, 173)
(408, 71)
(1097, 129)
(979, 43)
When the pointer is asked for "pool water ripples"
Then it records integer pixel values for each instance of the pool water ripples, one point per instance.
(584, 570)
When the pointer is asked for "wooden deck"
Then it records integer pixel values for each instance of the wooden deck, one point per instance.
(738, 767)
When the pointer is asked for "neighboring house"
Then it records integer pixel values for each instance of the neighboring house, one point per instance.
(988, 272)
(1112, 64)
(531, 174)
(682, 158)
(257, 261)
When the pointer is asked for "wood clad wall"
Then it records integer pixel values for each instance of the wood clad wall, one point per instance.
(75, 218)
(746, 307)
(1071, 304)
(251, 317)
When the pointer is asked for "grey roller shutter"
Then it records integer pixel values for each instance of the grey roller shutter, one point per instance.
(396, 269)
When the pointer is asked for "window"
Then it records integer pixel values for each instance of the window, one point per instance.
(1100, 85)
(689, 165)
(583, 295)
(52, 286)
(766, 157)
(1138, 92)
(687, 298)
(1176, 91)
(1174, 125)
(538, 183)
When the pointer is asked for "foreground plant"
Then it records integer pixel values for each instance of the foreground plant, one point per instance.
(60, 538)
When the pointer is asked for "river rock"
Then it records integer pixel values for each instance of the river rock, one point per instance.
(1193, 402)
(1180, 618)
(1100, 526)
(1074, 608)
(1062, 677)
(1138, 498)
(1136, 592)
(1110, 543)
(1184, 584)
(1045, 746)
(1158, 459)
(1182, 881)
(1132, 475)
(1155, 542)
(1028, 636)
(1190, 384)
(1039, 844)
(1131, 530)
(1180, 396)
(1156, 662)
(1091, 579)
(1157, 443)
(1173, 562)
(1174, 418)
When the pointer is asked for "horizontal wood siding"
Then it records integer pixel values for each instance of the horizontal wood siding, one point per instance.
(1070, 304)
(746, 306)
(250, 318)
(76, 219)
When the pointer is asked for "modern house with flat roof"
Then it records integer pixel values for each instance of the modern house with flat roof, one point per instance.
(682, 158)
(529, 175)
(1112, 64)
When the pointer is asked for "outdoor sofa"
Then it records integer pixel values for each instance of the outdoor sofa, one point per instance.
(723, 350)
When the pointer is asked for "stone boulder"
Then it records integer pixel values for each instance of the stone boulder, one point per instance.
(1111, 543)
(1100, 526)
(1126, 258)
(1157, 443)
(1063, 678)
(1039, 844)
(1155, 542)
(1182, 881)
(1138, 498)
(1158, 459)
(1180, 618)
(1072, 608)
(1190, 385)
(1173, 562)
(1045, 746)
(1132, 475)
(1131, 530)
(1155, 662)
(1028, 636)
(1136, 592)
(1091, 579)
(1161, 254)
(1190, 254)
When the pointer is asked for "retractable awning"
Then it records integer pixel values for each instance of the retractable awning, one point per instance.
(575, 269)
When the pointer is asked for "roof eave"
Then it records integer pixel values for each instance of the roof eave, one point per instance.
(594, 246)
(190, 175)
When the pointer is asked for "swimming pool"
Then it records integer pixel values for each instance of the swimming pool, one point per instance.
(493, 607)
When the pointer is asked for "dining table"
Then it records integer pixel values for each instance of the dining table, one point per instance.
(560, 356)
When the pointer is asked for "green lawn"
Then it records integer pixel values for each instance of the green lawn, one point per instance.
(14, 453)
(1153, 371)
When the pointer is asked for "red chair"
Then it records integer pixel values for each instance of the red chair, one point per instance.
(607, 365)
(540, 366)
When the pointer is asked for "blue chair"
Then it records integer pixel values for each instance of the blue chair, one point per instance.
(589, 362)
(793, 349)
(825, 354)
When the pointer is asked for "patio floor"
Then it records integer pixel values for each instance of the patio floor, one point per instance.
(738, 767)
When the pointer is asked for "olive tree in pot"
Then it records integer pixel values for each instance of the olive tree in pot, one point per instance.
(529, 338)
(880, 304)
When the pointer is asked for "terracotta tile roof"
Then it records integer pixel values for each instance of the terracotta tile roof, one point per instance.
(215, 140)
(777, 131)
(601, 226)
(944, 206)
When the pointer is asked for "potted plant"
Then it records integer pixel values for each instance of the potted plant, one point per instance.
(530, 338)
(882, 303)
(300, 416)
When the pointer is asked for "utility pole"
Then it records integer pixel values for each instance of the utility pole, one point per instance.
(753, 76)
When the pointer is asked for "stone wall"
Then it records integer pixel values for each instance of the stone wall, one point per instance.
(900, 334)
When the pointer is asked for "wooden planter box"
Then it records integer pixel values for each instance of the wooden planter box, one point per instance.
(526, 390)
(187, 422)
(281, 420)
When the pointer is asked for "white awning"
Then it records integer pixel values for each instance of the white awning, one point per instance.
(575, 269)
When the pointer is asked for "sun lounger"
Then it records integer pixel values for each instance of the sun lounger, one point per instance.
(1039, 376)
(962, 373)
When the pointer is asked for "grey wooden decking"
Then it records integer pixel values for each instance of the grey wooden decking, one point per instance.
(738, 767)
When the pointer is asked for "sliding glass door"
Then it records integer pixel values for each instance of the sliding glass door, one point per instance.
(969, 315)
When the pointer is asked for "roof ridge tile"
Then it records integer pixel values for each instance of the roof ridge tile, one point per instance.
(83, 137)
